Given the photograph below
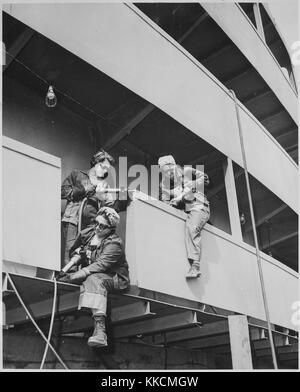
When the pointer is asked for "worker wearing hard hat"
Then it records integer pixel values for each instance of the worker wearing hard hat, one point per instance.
(106, 269)
(183, 188)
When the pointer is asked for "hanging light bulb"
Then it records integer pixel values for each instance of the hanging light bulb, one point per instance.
(50, 99)
(242, 219)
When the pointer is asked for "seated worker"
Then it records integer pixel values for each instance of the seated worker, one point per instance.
(106, 273)
(183, 188)
(91, 185)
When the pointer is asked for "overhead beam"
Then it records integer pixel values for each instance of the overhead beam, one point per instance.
(210, 340)
(291, 148)
(271, 115)
(253, 98)
(125, 313)
(127, 129)
(267, 217)
(288, 132)
(136, 120)
(216, 53)
(17, 46)
(213, 156)
(280, 240)
(164, 323)
(220, 187)
(259, 342)
(235, 77)
(201, 19)
(292, 349)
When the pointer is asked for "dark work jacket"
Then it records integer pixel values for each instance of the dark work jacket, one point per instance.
(73, 190)
(108, 257)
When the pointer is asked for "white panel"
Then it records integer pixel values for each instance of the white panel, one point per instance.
(123, 43)
(229, 278)
(285, 289)
(31, 207)
(231, 19)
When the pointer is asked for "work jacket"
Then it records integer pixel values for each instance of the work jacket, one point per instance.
(75, 188)
(108, 257)
(186, 177)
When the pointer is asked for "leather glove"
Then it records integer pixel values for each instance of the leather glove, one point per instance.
(75, 278)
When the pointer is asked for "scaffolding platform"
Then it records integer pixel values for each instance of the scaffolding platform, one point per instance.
(141, 316)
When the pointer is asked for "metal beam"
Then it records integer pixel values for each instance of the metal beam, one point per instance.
(218, 188)
(267, 217)
(279, 240)
(17, 46)
(131, 312)
(134, 311)
(288, 132)
(235, 77)
(67, 302)
(206, 343)
(164, 323)
(213, 156)
(272, 115)
(206, 330)
(193, 27)
(261, 94)
(216, 53)
(127, 129)
(291, 148)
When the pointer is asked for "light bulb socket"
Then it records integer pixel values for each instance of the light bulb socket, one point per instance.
(51, 99)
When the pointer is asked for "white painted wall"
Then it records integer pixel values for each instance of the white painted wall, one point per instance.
(156, 254)
(31, 206)
(126, 45)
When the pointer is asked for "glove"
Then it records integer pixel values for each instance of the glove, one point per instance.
(90, 189)
(75, 278)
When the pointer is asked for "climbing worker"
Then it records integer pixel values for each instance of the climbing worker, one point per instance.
(106, 269)
(183, 188)
(90, 187)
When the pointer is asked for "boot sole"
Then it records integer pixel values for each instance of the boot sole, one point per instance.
(97, 344)
(193, 277)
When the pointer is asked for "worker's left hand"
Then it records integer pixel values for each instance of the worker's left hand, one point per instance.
(75, 278)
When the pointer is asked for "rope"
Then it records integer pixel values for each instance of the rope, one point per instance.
(51, 323)
(261, 277)
(33, 321)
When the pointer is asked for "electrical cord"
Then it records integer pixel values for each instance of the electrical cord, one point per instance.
(33, 321)
(61, 92)
(260, 271)
(51, 323)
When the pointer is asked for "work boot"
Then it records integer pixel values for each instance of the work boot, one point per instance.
(194, 271)
(99, 338)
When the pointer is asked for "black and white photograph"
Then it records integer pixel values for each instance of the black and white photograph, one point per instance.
(150, 189)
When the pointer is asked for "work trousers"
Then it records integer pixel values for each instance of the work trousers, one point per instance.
(69, 234)
(195, 221)
(94, 290)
